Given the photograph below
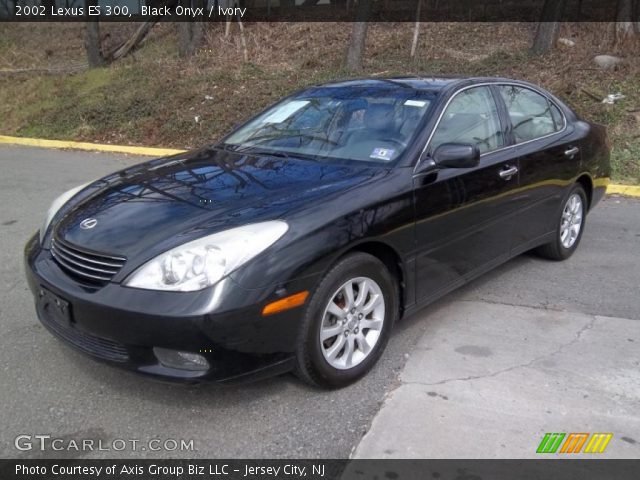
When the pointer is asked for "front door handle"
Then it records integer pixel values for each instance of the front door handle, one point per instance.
(508, 173)
(571, 152)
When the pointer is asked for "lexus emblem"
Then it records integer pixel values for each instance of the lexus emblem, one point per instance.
(88, 223)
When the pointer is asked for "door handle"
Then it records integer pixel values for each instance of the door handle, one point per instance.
(508, 173)
(571, 152)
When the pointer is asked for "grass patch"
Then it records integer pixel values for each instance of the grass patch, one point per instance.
(154, 98)
(625, 160)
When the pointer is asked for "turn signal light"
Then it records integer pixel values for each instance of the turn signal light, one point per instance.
(285, 303)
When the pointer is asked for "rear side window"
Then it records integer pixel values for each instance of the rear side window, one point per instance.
(532, 115)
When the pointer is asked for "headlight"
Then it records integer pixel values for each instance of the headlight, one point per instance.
(201, 263)
(56, 205)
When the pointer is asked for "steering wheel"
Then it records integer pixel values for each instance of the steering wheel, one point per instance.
(313, 138)
(400, 143)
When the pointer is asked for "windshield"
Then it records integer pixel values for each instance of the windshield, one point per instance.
(363, 124)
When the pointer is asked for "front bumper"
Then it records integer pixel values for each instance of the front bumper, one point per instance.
(121, 325)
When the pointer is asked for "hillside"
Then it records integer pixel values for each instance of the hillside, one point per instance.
(154, 98)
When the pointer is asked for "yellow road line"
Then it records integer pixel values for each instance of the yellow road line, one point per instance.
(627, 190)
(38, 142)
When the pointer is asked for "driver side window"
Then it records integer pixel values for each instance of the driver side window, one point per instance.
(471, 117)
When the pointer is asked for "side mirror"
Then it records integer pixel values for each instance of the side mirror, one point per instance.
(457, 155)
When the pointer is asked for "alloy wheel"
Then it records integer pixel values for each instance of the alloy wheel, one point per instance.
(352, 323)
(571, 222)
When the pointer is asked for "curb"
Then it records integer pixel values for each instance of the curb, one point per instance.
(612, 189)
(37, 142)
(626, 190)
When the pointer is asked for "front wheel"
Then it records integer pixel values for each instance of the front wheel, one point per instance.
(569, 227)
(347, 322)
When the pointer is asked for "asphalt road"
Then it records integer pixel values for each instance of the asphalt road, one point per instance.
(47, 388)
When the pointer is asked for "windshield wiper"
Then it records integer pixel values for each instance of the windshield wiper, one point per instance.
(261, 151)
(254, 150)
(229, 147)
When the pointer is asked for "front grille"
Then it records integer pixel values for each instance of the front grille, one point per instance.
(96, 346)
(89, 266)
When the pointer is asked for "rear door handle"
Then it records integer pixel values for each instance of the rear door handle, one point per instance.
(508, 173)
(571, 152)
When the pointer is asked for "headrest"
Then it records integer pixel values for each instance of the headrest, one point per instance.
(354, 105)
(462, 120)
(379, 117)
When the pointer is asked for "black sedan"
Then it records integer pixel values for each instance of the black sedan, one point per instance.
(301, 238)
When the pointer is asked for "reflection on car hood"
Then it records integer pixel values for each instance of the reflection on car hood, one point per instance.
(166, 202)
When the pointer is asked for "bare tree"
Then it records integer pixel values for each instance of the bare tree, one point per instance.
(132, 43)
(624, 20)
(243, 40)
(416, 30)
(93, 43)
(549, 26)
(358, 37)
(190, 33)
(48, 5)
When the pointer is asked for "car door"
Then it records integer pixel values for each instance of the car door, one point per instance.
(464, 215)
(548, 160)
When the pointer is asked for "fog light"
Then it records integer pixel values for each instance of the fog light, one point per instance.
(181, 360)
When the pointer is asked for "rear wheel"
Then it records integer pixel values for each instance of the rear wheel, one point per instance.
(347, 322)
(569, 228)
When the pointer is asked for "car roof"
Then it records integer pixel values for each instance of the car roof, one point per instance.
(434, 83)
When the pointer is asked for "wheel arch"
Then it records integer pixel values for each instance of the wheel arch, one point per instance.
(587, 183)
(391, 259)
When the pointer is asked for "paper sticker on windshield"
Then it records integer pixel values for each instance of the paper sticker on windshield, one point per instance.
(285, 111)
(415, 103)
(382, 153)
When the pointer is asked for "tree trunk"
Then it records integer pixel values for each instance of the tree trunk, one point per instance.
(184, 39)
(132, 43)
(190, 33)
(358, 37)
(93, 43)
(624, 20)
(245, 51)
(48, 6)
(548, 27)
(227, 26)
(416, 30)
(128, 46)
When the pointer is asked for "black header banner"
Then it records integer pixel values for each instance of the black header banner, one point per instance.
(570, 469)
(303, 10)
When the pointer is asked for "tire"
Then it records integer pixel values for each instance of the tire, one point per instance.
(560, 248)
(356, 335)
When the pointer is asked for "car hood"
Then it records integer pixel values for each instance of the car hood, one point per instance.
(157, 205)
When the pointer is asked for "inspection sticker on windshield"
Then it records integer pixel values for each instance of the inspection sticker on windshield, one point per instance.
(415, 103)
(382, 153)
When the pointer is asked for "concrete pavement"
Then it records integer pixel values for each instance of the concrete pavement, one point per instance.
(489, 380)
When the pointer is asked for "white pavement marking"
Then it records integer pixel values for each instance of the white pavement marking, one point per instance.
(489, 380)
